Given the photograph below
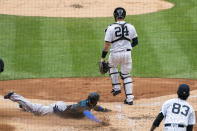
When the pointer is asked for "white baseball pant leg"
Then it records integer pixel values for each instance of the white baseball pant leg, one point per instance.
(37, 109)
(125, 69)
(114, 61)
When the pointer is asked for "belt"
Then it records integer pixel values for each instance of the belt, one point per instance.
(125, 50)
(171, 124)
(121, 51)
(128, 49)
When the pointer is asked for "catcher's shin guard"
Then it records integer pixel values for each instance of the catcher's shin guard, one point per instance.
(128, 86)
(115, 81)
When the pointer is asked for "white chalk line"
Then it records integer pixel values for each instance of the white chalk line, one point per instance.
(193, 96)
(1, 98)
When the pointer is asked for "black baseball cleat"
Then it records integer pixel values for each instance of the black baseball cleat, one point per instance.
(20, 106)
(129, 103)
(115, 92)
(8, 95)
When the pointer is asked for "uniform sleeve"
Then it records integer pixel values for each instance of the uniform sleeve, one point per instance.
(79, 105)
(164, 108)
(108, 37)
(192, 119)
(133, 32)
(98, 108)
(90, 116)
(101, 109)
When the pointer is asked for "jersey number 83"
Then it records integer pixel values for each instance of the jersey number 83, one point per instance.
(178, 108)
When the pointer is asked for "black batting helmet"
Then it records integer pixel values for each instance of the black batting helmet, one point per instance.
(183, 91)
(119, 13)
(93, 98)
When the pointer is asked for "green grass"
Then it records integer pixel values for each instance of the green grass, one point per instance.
(41, 47)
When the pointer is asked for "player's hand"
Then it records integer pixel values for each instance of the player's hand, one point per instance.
(152, 128)
(102, 59)
(105, 121)
(56, 110)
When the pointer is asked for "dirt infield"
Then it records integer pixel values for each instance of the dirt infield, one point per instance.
(78, 8)
(67, 88)
(149, 93)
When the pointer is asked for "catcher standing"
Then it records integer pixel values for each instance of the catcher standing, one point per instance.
(119, 35)
(178, 113)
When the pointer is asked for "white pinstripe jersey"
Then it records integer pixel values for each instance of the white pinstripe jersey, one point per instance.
(178, 111)
(114, 32)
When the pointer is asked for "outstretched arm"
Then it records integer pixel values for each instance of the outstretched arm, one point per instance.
(157, 121)
(99, 108)
(90, 116)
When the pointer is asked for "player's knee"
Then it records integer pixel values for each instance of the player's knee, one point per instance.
(125, 76)
(113, 72)
(61, 105)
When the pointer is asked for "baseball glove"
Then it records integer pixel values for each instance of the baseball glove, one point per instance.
(103, 67)
(1, 65)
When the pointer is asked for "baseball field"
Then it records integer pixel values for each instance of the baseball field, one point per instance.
(51, 50)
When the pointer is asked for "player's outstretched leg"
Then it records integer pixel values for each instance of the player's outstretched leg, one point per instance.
(38, 109)
(114, 74)
(128, 88)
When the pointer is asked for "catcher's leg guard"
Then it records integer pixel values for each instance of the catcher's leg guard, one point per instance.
(115, 81)
(128, 86)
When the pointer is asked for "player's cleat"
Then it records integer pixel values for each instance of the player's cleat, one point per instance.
(129, 103)
(8, 95)
(20, 106)
(115, 92)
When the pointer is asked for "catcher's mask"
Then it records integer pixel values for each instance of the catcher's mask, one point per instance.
(93, 98)
(183, 91)
(119, 13)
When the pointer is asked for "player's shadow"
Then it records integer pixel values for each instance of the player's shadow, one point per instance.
(71, 115)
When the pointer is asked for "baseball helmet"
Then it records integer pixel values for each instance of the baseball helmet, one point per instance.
(1, 65)
(93, 98)
(183, 91)
(119, 13)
